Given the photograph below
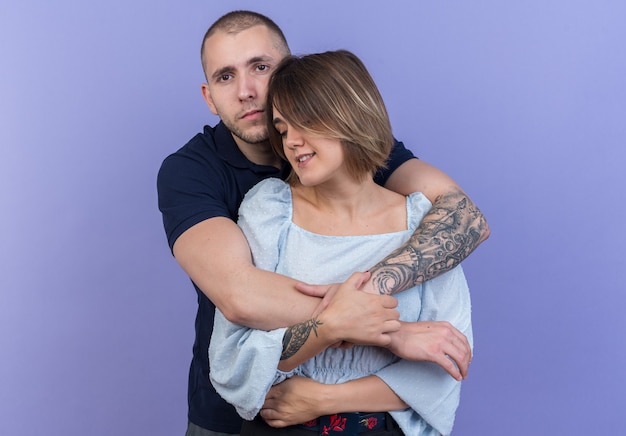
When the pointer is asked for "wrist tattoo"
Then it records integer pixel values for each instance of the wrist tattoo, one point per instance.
(296, 336)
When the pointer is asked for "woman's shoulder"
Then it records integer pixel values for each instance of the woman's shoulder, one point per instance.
(417, 205)
(268, 187)
(270, 198)
(272, 190)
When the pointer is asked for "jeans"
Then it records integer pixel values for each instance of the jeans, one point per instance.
(194, 430)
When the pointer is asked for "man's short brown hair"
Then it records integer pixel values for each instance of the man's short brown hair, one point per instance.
(238, 21)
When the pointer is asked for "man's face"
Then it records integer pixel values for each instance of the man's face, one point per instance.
(238, 68)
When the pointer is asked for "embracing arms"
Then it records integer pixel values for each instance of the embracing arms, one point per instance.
(344, 320)
(215, 255)
(447, 234)
(423, 387)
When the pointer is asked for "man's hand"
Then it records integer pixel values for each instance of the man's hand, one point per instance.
(351, 316)
(358, 317)
(433, 341)
(327, 292)
(294, 401)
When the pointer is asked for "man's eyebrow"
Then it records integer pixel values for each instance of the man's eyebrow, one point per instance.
(222, 71)
(228, 68)
(258, 59)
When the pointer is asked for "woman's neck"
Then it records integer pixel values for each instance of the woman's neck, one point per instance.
(349, 208)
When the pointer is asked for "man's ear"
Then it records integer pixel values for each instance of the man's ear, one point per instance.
(206, 94)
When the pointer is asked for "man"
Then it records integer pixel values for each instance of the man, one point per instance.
(201, 187)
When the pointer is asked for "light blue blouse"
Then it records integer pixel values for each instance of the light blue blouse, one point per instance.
(244, 361)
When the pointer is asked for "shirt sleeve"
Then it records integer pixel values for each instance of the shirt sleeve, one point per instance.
(244, 364)
(191, 189)
(399, 155)
(244, 361)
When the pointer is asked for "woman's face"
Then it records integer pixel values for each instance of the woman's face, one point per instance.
(314, 158)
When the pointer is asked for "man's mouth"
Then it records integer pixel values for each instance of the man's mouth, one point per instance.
(252, 114)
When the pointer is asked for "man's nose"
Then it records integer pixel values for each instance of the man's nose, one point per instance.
(247, 88)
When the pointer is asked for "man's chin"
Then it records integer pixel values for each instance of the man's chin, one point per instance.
(258, 138)
(252, 134)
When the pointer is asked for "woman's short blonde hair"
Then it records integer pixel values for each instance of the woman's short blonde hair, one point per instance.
(333, 95)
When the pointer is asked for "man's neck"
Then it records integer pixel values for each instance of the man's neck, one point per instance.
(260, 153)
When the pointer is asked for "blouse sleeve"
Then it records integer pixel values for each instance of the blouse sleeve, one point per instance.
(432, 394)
(264, 217)
(243, 361)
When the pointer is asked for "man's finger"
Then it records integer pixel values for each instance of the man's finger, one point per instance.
(357, 279)
(456, 360)
(448, 365)
(312, 290)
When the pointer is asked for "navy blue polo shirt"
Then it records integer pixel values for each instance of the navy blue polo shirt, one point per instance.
(208, 178)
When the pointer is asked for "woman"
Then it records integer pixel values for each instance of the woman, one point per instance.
(328, 120)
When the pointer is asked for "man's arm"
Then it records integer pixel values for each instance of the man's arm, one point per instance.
(449, 232)
(215, 255)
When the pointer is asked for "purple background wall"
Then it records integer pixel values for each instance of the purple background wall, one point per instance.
(524, 103)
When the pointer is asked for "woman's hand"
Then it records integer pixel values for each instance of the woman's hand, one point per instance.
(294, 401)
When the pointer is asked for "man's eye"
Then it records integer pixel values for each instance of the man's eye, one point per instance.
(262, 67)
(224, 78)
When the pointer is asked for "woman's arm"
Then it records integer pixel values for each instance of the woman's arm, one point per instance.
(300, 399)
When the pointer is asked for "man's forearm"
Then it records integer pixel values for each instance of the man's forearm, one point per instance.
(449, 232)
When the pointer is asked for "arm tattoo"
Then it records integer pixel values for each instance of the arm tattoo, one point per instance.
(449, 232)
(296, 336)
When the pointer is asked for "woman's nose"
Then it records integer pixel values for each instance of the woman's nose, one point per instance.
(293, 138)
